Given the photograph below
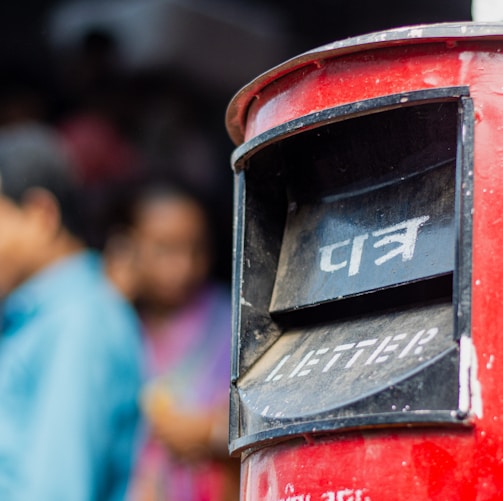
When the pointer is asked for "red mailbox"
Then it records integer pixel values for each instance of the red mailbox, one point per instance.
(368, 317)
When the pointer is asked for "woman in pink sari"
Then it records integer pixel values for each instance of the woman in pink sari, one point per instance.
(187, 331)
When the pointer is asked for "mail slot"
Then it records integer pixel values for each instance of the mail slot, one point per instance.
(366, 340)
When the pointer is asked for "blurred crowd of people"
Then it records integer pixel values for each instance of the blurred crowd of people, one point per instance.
(115, 218)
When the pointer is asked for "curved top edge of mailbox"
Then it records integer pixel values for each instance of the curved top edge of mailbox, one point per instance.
(237, 109)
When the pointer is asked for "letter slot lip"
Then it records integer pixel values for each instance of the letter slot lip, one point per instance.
(388, 371)
(338, 364)
(355, 243)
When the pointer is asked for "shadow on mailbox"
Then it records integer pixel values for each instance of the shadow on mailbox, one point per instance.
(352, 276)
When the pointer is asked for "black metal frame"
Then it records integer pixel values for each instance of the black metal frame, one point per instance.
(255, 330)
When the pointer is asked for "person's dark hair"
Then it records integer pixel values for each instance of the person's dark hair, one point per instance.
(129, 197)
(32, 156)
(129, 200)
(154, 191)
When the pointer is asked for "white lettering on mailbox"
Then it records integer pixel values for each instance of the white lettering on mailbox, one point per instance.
(404, 234)
(339, 495)
(345, 356)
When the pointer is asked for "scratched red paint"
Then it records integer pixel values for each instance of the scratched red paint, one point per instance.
(405, 464)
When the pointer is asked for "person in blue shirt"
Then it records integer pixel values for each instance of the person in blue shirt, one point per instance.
(69, 344)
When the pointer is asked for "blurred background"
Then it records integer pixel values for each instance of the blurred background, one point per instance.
(141, 86)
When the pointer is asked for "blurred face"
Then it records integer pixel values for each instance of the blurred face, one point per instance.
(16, 231)
(172, 248)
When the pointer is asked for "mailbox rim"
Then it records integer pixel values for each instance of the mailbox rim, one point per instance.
(237, 110)
(315, 428)
(342, 112)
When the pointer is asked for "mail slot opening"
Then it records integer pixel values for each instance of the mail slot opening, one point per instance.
(370, 219)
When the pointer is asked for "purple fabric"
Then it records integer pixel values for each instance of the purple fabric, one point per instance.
(190, 354)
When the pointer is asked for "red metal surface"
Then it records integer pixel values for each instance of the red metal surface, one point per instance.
(393, 465)
(411, 464)
(371, 74)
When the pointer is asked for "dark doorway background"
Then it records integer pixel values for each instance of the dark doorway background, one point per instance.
(162, 72)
